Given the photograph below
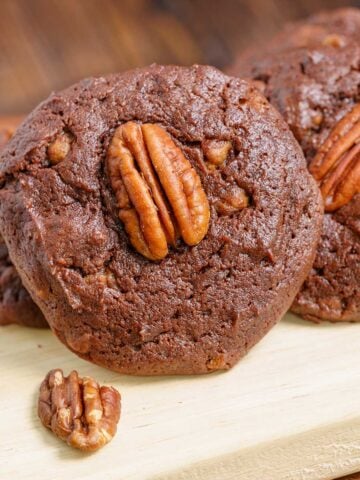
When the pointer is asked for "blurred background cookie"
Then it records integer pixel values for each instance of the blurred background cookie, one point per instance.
(336, 28)
(316, 89)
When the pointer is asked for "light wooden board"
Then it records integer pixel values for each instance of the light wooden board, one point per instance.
(289, 410)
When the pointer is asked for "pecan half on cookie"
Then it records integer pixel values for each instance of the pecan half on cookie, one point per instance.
(160, 198)
(169, 217)
(78, 411)
(336, 166)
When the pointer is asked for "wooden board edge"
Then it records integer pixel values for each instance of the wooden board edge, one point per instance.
(326, 453)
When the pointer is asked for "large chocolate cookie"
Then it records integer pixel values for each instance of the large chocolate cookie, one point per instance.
(163, 218)
(16, 305)
(317, 92)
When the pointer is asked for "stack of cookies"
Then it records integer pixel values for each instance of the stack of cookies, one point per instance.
(164, 219)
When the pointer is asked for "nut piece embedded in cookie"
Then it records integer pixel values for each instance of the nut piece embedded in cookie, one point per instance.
(158, 192)
(336, 166)
(216, 152)
(59, 148)
(232, 201)
(78, 411)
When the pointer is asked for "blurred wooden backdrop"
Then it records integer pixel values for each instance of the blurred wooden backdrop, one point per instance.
(47, 44)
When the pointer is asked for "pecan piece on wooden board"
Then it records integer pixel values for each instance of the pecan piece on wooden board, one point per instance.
(78, 411)
(336, 166)
(159, 194)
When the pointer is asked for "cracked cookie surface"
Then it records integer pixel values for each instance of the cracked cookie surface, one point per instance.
(316, 89)
(214, 294)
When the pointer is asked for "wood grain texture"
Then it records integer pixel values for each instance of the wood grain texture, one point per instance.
(288, 411)
(46, 45)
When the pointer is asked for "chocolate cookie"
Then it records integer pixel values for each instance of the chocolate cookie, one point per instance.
(336, 28)
(317, 92)
(163, 218)
(16, 305)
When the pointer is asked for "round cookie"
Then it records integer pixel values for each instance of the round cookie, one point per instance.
(163, 218)
(16, 305)
(336, 28)
(317, 92)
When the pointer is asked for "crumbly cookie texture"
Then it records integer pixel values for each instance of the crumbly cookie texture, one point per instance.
(163, 218)
(78, 410)
(316, 89)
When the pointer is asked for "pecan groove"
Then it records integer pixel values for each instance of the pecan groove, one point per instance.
(79, 411)
(336, 166)
(157, 190)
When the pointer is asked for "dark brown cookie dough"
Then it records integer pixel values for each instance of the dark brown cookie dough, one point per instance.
(16, 305)
(201, 307)
(315, 88)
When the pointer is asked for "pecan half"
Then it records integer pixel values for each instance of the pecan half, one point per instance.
(78, 411)
(336, 166)
(157, 190)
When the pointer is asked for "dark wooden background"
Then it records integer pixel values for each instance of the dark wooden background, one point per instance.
(48, 44)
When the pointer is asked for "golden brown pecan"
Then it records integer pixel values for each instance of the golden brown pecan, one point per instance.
(78, 411)
(216, 363)
(232, 201)
(216, 152)
(334, 40)
(336, 166)
(59, 148)
(103, 277)
(157, 190)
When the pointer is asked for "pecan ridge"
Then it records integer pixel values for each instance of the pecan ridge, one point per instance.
(159, 194)
(78, 411)
(336, 166)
